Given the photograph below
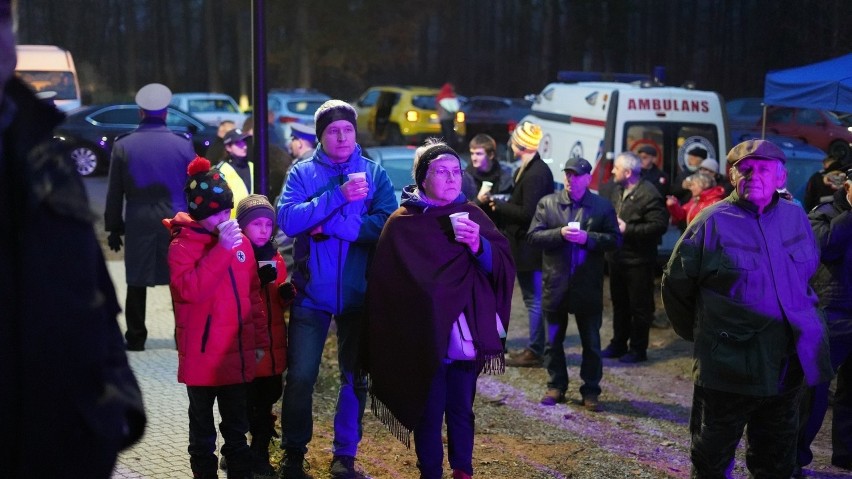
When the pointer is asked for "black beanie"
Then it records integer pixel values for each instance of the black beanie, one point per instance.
(331, 111)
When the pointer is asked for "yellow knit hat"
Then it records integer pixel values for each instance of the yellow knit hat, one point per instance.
(527, 135)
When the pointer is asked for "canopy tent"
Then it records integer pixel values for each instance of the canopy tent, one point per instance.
(825, 85)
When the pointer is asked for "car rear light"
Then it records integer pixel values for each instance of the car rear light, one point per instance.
(459, 117)
(287, 119)
(412, 116)
(511, 125)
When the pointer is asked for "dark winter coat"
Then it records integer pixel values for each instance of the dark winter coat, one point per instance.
(147, 174)
(572, 273)
(514, 216)
(832, 225)
(737, 285)
(63, 370)
(647, 218)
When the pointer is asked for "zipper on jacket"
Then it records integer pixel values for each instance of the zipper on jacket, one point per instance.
(239, 322)
(206, 334)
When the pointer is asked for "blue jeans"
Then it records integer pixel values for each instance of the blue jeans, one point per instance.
(530, 283)
(307, 332)
(591, 367)
(450, 397)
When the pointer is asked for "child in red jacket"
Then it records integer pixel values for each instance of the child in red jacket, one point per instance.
(220, 320)
(256, 217)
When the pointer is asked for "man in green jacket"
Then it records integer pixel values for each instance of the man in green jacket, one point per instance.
(737, 285)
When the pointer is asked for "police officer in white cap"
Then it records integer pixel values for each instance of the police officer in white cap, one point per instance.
(147, 174)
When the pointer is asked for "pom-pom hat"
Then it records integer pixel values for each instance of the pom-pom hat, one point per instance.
(527, 135)
(253, 207)
(207, 192)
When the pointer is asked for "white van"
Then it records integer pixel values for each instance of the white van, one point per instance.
(211, 108)
(598, 120)
(50, 68)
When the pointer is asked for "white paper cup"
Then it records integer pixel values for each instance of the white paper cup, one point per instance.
(359, 174)
(273, 263)
(454, 218)
(485, 188)
(574, 225)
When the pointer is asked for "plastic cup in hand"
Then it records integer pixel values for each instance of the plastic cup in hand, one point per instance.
(574, 226)
(360, 174)
(273, 263)
(454, 220)
(485, 188)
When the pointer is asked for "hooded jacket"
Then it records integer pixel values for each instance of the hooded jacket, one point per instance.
(330, 271)
(219, 315)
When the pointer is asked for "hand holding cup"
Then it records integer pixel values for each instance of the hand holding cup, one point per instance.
(572, 233)
(356, 188)
(484, 194)
(230, 234)
(466, 231)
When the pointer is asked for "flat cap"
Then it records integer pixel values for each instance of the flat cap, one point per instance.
(648, 150)
(153, 97)
(578, 165)
(234, 135)
(756, 149)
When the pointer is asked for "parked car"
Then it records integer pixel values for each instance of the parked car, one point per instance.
(397, 161)
(493, 115)
(401, 115)
(819, 128)
(211, 108)
(296, 105)
(90, 132)
(744, 112)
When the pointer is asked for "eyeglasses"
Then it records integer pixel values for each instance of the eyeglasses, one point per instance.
(447, 174)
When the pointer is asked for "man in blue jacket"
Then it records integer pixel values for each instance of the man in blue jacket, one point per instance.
(335, 217)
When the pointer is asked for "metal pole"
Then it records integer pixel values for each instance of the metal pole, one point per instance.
(261, 133)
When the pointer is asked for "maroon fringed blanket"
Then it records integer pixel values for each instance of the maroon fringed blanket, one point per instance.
(420, 280)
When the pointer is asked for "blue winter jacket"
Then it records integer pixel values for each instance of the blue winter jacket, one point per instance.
(330, 271)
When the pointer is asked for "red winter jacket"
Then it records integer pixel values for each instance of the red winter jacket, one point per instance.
(219, 314)
(274, 362)
(691, 208)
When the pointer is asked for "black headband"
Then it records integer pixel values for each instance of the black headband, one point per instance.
(428, 157)
(333, 114)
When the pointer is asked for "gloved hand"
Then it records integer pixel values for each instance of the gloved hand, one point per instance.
(267, 274)
(287, 292)
(114, 241)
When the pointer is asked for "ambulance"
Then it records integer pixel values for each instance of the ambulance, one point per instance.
(584, 116)
(596, 120)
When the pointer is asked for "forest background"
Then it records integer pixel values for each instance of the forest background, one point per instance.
(485, 47)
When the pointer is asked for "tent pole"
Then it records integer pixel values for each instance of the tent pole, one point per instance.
(763, 126)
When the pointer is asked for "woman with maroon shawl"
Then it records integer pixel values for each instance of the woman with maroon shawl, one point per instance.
(423, 276)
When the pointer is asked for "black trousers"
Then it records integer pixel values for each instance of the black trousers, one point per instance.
(263, 393)
(716, 425)
(134, 315)
(233, 408)
(632, 291)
